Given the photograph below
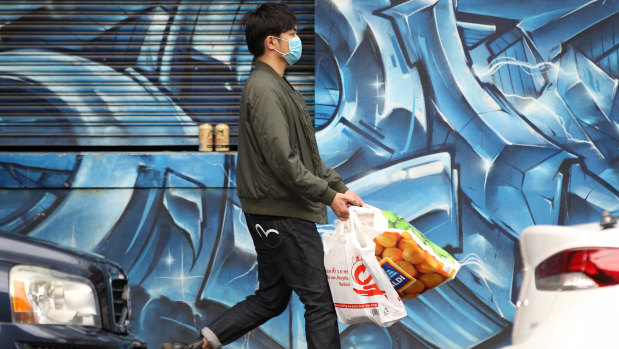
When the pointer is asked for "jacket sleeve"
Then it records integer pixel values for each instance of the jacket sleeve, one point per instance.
(269, 125)
(333, 178)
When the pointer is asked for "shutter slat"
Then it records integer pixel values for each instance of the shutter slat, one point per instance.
(126, 73)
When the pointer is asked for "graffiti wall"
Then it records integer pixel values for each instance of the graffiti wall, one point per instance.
(472, 119)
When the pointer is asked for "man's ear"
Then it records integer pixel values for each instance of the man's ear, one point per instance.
(269, 43)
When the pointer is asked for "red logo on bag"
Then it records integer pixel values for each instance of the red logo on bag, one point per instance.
(358, 271)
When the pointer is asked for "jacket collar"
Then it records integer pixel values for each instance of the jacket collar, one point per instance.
(260, 65)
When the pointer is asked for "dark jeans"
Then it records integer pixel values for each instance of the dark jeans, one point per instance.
(290, 258)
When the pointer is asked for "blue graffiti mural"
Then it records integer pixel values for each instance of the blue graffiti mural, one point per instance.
(473, 119)
(518, 104)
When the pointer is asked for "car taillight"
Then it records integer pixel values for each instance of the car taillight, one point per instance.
(579, 269)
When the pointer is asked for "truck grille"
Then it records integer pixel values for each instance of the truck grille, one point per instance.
(120, 297)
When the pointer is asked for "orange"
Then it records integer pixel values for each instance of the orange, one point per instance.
(396, 235)
(440, 270)
(379, 249)
(393, 253)
(416, 287)
(430, 280)
(406, 242)
(387, 239)
(409, 296)
(407, 267)
(413, 255)
(429, 264)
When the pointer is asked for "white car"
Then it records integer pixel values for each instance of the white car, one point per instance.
(569, 297)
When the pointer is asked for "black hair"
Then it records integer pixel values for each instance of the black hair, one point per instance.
(271, 18)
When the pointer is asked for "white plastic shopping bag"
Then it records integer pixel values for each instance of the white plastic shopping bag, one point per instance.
(361, 290)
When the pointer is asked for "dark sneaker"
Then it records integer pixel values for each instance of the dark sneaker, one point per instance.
(196, 344)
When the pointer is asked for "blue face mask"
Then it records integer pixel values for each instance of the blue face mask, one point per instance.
(296, 49)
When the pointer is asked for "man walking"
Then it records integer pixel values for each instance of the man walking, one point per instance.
(284, 188)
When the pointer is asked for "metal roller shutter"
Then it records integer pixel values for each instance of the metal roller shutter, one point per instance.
(128, 73)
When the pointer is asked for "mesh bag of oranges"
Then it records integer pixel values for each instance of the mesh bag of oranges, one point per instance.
(413, 263)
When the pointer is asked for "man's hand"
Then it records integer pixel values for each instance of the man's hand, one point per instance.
(341, 202)
(357, 199)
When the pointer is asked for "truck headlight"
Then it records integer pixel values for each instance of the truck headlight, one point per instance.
(45, 296)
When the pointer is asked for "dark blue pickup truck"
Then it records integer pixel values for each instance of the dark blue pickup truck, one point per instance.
(56, 298)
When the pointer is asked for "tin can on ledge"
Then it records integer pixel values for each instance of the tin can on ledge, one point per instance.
(222, 137)
(205, 135)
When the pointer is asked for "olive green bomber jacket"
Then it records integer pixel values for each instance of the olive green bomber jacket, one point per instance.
(278, 173)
